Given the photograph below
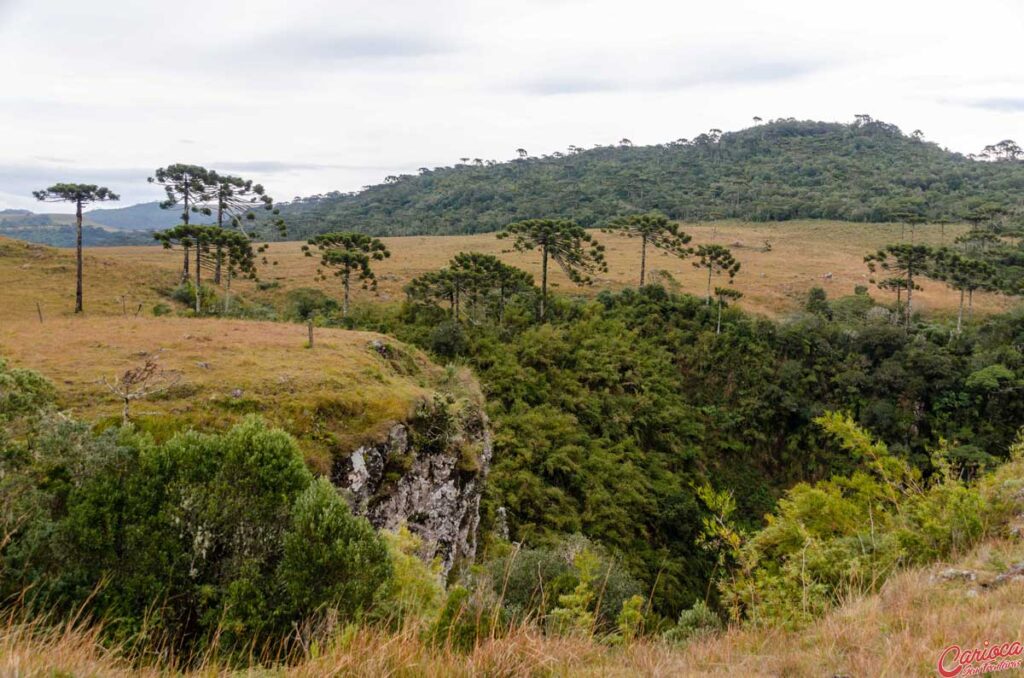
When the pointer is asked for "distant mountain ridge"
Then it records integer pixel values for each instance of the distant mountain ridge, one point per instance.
(783, 169)
(146, 216)
(130, 225)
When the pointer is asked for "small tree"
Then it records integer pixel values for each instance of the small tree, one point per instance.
(723, 293)
(906, 260)
(80, 195)
(190, 185)
(718, 260)
(577, 252)
(653, 229)
(348, 254)
(141, 382)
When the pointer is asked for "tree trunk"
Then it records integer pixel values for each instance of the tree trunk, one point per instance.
(125, 412)
(643, 259)
(910, 292)
(185, 265)
(199, 252)
(960, 313)
(227, 293)
(220, 224)
(344, 302)
(78, 256)
(970, 305)
(718, 330)
(709, 285)
(544, 282)
(184, 220)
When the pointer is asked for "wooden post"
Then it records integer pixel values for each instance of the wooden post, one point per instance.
(39, 310)
(309, 327)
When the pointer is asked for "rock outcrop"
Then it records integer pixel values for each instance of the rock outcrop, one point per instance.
(428, 474)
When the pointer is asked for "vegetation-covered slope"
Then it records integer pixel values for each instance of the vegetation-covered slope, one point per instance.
(785, 169)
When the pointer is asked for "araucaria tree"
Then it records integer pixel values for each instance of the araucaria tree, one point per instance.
(906, 261)
(718, 260)
(653, 229)
(192, 187)
(235, 201)
(964, 275)
(81, 195)
(723, 293)
(213, 246)
(349, 254)
(577, 252)
(483, 280)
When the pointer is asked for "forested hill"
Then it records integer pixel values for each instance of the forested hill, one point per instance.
(783, 169)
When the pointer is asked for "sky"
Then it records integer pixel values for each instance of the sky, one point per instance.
(308, 96)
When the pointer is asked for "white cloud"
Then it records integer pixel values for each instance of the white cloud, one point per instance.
(311, 95)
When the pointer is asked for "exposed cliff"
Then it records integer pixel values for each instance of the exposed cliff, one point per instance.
(428, 474)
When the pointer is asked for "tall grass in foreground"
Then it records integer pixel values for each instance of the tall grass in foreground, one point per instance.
(898, 632)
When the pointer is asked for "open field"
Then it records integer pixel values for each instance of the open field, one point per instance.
(332, 397)
(774, 283)
(899, 632)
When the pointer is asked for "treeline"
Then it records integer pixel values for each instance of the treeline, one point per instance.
(784, 169)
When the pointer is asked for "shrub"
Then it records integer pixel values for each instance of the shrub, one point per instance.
(695, 622)
(448, 340)
(849, 534)
(467, 618)
(204, 537)
(332, 559)
(631, 618)
(185, 293)
(23, 392)
(304, 303)
(532, 582)
(415, 590)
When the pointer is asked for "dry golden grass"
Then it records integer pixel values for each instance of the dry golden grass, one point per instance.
(31, 274)
(343, 386)
(899, 632)
(774, 283)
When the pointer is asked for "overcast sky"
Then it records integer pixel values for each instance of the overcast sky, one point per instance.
(309, 96)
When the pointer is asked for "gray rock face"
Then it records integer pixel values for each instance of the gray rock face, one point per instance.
(426, 477)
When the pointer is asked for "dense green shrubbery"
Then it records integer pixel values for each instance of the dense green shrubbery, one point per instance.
(222, 536)
(609, 416)
(847, 535)
(533, 582)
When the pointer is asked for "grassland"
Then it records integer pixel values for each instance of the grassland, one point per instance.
(803, 254)
(899, 632)
(348, 389)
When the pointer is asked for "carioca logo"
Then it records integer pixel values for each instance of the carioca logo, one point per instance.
(954, 660)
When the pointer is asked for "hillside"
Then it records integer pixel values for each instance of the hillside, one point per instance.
(785, 169)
